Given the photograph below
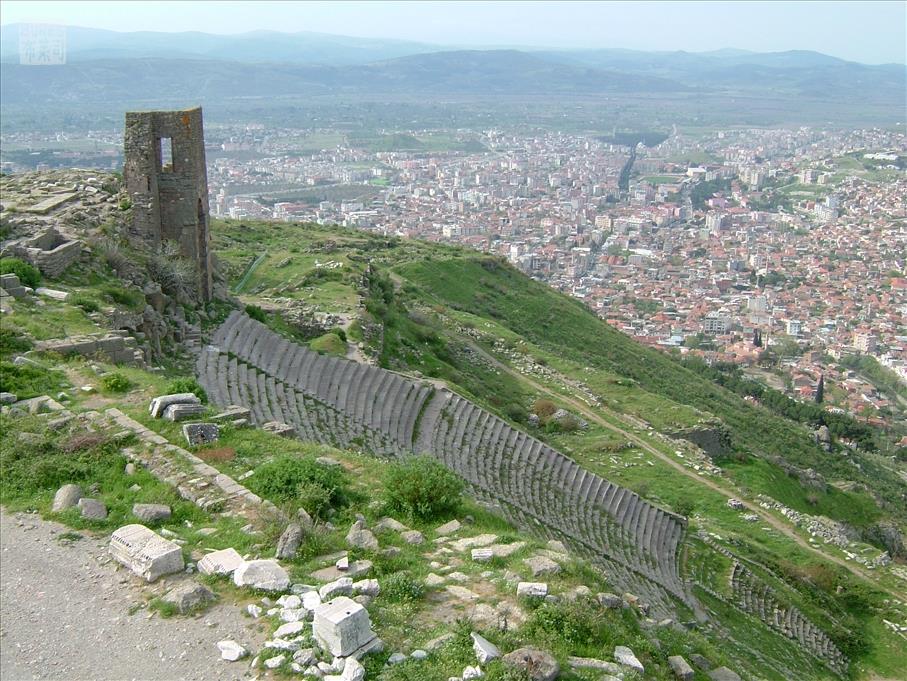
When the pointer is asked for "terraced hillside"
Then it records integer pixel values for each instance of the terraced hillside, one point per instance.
(347, 404)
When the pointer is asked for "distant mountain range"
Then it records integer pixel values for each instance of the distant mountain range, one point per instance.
(154, 69)
(84, 44)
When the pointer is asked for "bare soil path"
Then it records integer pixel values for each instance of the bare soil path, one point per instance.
(778, 524)
(68, 613)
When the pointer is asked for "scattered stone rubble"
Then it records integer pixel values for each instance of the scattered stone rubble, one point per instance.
(829, 531)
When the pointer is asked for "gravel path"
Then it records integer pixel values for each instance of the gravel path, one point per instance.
(64, 615)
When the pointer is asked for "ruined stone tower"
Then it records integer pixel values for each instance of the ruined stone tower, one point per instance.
(167, 179)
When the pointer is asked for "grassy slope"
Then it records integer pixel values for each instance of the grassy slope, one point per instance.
(562, 326)
(444, 295)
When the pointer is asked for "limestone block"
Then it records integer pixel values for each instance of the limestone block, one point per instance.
(681, 669)
(412, 537)
(289, 542)
(541, 565)
(201, 433)
(609, 668)
(149, 513)
(623, 655)
(482, 555)
(485, 650)
(538, 665)
(159, 404)
(390, 524)
(280, 429)
(181, 412)
(8, 398)
(66, 497)
(353, 670)
(265, 575)
(233, 411)
(52, 293)
(468, 542)
(231, 651)
(532, 589)
(341, 626)
(361, 538)
(449, 528)
(339, 587)
(189, 596)
(609, 600)
(355, 569)
(724, 674)
(367, 587)
(145, 553)
(92, 509)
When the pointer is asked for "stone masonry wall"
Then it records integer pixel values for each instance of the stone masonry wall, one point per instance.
(170, 195)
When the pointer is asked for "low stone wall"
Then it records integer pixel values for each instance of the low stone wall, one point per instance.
(116, 347)
(49, 251)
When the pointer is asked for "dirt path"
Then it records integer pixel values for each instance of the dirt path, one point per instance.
(65, 614)
(769, 518)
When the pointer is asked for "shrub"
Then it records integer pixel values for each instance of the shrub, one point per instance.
(329, 344)
(402, 587)
(684, 507)
(115, 382)
(13, 340)
(85, 302)
(572, 622)
(123, 296)
(256, 313)
(28, 380)
(188, 385)
(544, 408)
(314, 497)
(289, 478)
(422, 487)
(28, 274)
(175, 274)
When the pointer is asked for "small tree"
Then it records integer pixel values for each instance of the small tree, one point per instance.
(820, 389)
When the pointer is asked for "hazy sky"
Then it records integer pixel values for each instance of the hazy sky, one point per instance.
(870, 32)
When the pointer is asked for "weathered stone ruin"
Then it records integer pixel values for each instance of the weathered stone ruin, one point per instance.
(49, 251)
(343, 403)
(114, 346)
(168, 185)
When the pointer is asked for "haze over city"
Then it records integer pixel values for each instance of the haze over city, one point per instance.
(871, 32)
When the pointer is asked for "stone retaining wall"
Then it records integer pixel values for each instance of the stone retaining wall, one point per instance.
(116, 347)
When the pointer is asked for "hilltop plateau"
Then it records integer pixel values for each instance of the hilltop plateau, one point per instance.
(755, 543)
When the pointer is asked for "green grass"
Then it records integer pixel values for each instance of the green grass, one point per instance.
(32, 473)
(661, 179)
(487, 287)
(27, 380)
(329, 344)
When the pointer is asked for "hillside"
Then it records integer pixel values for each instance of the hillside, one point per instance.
(768, 520)
(632, 88)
